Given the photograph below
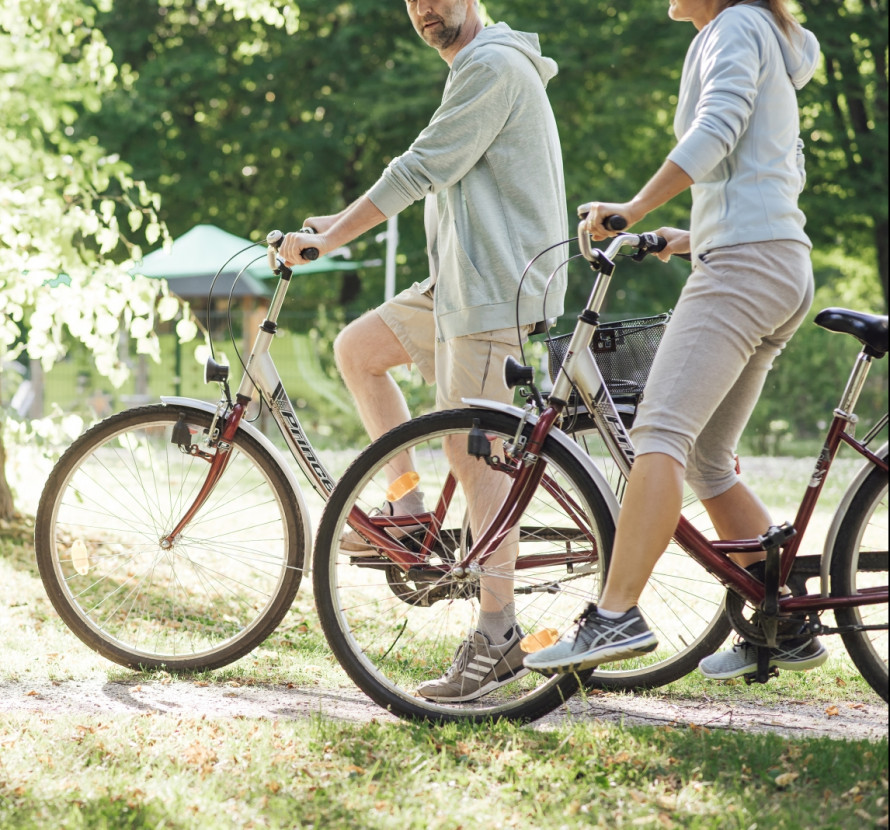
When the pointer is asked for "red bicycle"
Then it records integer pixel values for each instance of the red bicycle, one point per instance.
(394, 617)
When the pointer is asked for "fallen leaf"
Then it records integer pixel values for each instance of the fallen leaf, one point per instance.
(832, 711)
(786, 779)
(839, 681)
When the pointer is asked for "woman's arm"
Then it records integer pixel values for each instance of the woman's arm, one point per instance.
(668, 182)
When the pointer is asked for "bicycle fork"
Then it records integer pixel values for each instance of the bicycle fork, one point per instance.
(217, 467)
(521, 491)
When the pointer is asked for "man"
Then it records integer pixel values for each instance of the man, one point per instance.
(490, 169)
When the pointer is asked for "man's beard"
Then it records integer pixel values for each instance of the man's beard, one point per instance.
(442, 36)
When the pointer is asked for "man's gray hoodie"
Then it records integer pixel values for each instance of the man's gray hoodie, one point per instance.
(738, 128)
(491, 157)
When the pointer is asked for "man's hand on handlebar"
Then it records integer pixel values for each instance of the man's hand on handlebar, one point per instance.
(320, 224)
(295, 243)
(677, 243)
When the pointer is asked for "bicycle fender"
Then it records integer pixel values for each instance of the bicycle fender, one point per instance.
(561, 438)
(840, 513)
(253, 432)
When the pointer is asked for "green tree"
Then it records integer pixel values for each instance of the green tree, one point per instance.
(845, 123)
(255, 127)
(71, 214)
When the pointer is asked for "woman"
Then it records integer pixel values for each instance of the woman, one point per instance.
(751, 286)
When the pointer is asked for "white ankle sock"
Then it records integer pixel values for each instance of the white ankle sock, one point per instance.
(409, 505)
(498, 625)
(610, 615)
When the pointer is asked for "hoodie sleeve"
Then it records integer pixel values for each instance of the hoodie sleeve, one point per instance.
(473, 112)
(730, 66)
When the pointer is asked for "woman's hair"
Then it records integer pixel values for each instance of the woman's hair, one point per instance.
(780, 11)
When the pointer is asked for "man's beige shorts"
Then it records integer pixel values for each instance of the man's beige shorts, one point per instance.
(463, 367)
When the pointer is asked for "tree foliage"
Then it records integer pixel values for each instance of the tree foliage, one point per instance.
(65, 202)
(845, 121)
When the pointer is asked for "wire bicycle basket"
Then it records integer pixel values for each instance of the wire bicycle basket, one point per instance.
(624, 351)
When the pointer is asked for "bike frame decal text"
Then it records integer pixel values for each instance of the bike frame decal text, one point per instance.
(281, 404)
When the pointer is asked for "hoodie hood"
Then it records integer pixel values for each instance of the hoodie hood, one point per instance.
(502, 35)
(800, 49)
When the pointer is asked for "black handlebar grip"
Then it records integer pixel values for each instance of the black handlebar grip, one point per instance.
(662, 244)
(614, 223)
(309, 253)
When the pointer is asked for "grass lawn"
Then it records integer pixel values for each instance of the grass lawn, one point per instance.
(163, 770)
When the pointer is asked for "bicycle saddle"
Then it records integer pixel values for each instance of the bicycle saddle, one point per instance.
(868, 329)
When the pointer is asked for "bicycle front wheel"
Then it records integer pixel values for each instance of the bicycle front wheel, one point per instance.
(393, 630)
(859, 561)
(209, 598)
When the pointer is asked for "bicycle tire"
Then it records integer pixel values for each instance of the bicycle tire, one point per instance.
(683, 604)
(859, 559)
(374, 619)
(212, 597)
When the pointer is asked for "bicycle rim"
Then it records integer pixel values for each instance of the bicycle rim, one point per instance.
(216, 593)
(859, 561)
(392, 632)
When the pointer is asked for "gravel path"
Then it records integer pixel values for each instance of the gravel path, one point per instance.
(187, 699)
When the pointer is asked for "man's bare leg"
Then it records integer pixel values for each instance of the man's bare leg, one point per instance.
(485, 491)
(365, 351)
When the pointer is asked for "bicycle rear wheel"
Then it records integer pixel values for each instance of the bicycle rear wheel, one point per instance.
(392, 630)
(683, 604)
(858, 561)
(211, 597)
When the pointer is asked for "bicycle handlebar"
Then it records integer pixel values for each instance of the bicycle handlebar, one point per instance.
(610, 223)
(275, 238)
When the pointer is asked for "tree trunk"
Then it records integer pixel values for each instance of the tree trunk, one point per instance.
(7, 506)
(881, 243)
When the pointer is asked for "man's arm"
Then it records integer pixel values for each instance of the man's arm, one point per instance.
(358, 218)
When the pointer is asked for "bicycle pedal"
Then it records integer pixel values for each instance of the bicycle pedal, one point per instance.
(752, 677)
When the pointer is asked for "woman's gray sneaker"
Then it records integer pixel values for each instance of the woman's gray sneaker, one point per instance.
(795, 655)
(478, 668)
(595, 639)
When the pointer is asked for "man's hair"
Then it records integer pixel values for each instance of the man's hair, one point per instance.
(780, 11)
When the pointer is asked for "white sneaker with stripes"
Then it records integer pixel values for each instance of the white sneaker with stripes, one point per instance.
(479, 667)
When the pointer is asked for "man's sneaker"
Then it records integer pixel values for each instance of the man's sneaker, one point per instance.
(594, 640)
(795, 655)
(478, 668)
(355, 545)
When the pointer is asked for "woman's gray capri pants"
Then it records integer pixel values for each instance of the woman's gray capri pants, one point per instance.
(738, 309)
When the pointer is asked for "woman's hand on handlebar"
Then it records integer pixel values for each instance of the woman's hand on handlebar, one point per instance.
(677, 243)
(598, 211)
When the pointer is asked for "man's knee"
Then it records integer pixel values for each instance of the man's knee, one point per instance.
(368, 346)
(346, 347)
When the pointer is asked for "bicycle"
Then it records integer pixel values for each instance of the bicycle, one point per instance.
(394, 618)
(175, 535)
